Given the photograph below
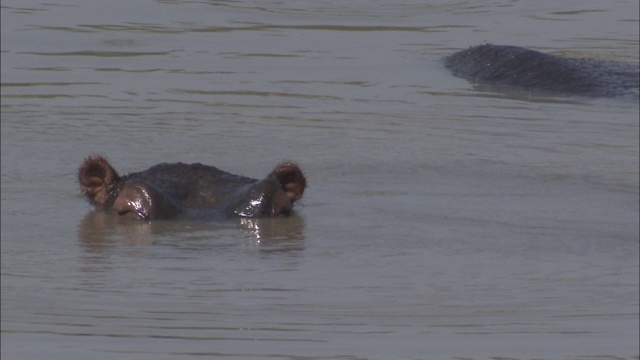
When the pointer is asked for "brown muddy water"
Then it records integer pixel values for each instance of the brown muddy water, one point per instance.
(442, 220)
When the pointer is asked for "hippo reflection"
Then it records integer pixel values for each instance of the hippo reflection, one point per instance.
(198, 191)
(535, 71)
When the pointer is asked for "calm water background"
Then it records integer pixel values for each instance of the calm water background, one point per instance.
(442, 221)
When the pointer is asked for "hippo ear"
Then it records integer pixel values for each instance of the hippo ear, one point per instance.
(97, 178)
(291, 179)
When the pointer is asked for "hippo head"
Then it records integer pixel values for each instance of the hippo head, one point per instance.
(189, 191)
(271, 196)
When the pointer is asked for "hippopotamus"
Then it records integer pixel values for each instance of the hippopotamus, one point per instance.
(531, 70)
(190, 191)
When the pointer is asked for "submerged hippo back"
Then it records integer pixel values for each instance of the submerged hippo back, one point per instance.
(532, 70)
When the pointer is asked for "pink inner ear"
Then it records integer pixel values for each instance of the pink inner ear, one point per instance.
(292, 180)
(96, 178)
(293, 191)
(100, 194)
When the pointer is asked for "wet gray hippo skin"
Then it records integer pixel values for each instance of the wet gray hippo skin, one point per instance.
(531, 70)
(189, 191)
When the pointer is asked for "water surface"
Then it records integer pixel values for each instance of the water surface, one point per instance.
(441, 221)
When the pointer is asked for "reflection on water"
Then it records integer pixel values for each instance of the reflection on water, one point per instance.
(273, 229)
(99, 230)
